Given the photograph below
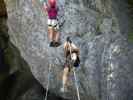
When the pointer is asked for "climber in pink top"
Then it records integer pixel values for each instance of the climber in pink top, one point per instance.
(52, 11)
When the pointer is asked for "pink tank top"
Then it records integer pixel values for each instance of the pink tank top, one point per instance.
(52, 13)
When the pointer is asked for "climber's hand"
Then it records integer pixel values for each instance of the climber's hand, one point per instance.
(45, 8)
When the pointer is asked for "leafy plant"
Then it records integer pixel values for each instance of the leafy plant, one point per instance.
(130, 37)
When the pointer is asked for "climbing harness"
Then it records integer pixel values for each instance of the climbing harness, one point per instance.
(76, 82)
(49, 75)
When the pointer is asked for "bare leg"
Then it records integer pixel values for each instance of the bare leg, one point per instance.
(50, 33)
(56, 37)
(65, 77)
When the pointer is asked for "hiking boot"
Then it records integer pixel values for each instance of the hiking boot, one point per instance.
(56, 44)
(51, 44)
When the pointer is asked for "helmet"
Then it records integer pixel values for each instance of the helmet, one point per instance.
(52, 3)
(68, 40)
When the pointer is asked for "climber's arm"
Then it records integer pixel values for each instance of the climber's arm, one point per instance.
(45, 8)
(65, 49)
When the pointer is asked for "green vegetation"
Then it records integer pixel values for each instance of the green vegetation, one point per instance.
(130, 37)
(130, 1)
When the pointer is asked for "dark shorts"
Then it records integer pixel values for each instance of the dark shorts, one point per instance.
(69, 63)
(76, 64)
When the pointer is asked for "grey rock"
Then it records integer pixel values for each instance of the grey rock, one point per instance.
(105, 72)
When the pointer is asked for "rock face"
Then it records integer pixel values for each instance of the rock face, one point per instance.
(16, 79)
(106, 69)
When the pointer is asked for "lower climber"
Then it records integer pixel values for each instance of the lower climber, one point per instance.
(72, 61)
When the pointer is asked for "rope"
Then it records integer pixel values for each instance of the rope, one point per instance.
(76, 83)
(48, 82)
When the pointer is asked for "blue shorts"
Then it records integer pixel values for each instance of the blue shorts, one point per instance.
(76, 64)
